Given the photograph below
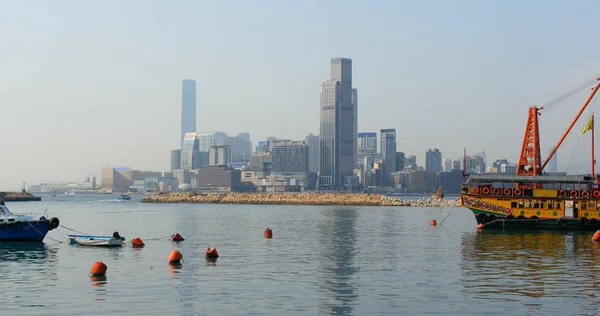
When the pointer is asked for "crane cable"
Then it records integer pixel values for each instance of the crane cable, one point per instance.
(570, 93)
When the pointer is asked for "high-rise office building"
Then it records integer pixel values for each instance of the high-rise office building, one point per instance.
(191, 158)
(289, 156)
(447, 165)
(400, 161)
(205, 140)
(219, 155)
(411, 161)
(366, 144)
(175, 159)
(433, 160)
(312, 141)
(241, 147)
(355, 125)
(337, 135)
(456, 165)
(188, 108)
(388, 151)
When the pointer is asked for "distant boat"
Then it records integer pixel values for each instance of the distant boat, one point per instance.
(124, 197)
(70, 193)
(99, 241)
(20, 227)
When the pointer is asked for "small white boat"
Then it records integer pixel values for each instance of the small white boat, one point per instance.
(100, 241)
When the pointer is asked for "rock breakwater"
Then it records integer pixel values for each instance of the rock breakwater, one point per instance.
(295, 199)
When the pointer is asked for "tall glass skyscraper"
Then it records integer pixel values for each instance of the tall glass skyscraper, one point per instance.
(337, 136)
(188, 108)
(388, 151)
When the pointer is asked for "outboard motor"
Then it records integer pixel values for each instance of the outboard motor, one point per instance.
(117, 236)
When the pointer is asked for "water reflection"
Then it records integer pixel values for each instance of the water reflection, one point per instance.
(27, 251)
(517, 266)
(337, 239)
(99, 282)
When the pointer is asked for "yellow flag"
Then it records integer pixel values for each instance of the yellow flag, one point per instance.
(588, 126)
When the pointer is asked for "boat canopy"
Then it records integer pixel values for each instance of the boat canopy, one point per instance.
(530, 179)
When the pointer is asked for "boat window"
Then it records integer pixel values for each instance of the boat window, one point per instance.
(598, 206)
(520, 203)
(513, 204)
(536, 204)
(551, 205)
(558, 205)
(527, 204)
(583, 206)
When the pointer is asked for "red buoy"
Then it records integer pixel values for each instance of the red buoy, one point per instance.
(268, 233)
(177, 237)
(596, 236)
(137, 242)
(211, 252)
(433, 222)
(175, 257)
(98, 268)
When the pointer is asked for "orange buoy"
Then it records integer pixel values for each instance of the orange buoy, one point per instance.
(211, 252)
(137, 242)
(177, 237)
(98, 268)
(268, 233)
(433, 222)
(596, 236)
(175, 257)
(480, 226)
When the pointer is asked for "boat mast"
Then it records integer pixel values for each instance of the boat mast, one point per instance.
(594, 90)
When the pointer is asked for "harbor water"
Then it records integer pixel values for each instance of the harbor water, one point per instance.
(321, 260)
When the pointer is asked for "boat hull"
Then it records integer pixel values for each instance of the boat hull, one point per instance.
(95, 241)
(493, 221)
(34, 231)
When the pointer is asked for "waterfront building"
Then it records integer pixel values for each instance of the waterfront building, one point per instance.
(475, 163)
(411, 162)
(205, 140)
(355, 125)
(312, 141)
(289, 165)
(447, 165)
(433, 160)
(219, 155)
(188, 108)
(218, 178)
(388, 152)
(366, 144)
(175, 159)
(240, 145)
(191, 156)
(337, 151)
(456, 165)
(400, 161)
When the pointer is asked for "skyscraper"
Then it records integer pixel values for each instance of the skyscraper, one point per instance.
(337, 135)
(553, 164)
(388, 151)
(355, 124)
(313, 151)
(367, 144)
(447, 165)
(433, 160)
(175, 159)
(188, 108)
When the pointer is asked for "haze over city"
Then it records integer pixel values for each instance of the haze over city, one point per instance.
(88, 84)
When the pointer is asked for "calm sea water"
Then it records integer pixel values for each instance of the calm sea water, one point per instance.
(322, 260)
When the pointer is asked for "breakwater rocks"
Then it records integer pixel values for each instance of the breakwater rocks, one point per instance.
(295, 199)
(18, 197)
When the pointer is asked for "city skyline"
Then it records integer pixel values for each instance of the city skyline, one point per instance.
(113, 100)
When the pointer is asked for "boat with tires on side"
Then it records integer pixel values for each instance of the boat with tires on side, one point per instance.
(23, 227)
(532, 199)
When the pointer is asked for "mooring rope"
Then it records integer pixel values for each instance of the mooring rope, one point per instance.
(65, 227)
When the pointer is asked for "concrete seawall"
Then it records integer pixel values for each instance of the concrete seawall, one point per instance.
(295, 199)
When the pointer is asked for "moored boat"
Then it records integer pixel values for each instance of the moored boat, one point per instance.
(124, 197)
(22, 227)
(99, 241)
(530, 199)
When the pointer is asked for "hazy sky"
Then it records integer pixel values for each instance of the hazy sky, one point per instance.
(90, 83)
